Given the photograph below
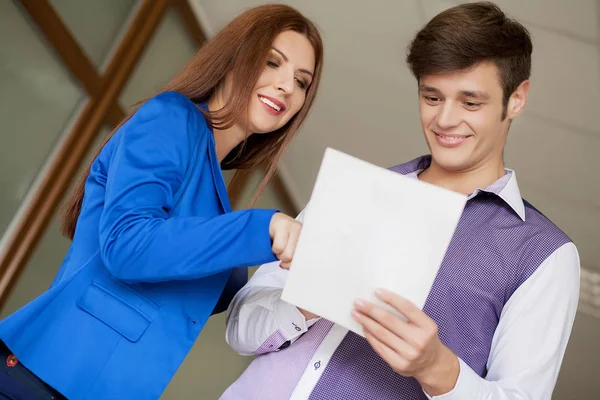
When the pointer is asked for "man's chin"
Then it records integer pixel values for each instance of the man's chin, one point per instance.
(451, 161)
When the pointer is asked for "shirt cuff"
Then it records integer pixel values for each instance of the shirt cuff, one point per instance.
(290, 321)
(468, 385)
(292, 325)
(311, 322)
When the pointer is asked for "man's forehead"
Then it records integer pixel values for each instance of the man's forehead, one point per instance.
(481, 80)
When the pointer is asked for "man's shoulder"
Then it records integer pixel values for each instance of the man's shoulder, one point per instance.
(542, 239)
(545, 227)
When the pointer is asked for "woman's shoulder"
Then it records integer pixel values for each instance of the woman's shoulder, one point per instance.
(170, 104)
(173, 114)
(169, 121)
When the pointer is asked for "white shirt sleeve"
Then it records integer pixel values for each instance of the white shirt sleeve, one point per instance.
(531, 337)
(258, 321)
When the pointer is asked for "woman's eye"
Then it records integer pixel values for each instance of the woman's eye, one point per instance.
(301, 83)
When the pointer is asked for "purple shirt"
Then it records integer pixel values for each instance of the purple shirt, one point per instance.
(498, 244)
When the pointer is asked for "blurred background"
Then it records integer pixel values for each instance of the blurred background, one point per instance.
(71, 69)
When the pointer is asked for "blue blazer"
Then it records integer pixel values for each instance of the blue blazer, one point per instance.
(157, 249)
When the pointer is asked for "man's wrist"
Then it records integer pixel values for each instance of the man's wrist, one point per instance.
(308, 315)
(441, 377)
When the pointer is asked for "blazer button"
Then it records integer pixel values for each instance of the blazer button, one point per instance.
(11, 361)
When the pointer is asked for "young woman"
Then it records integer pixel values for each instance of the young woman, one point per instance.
(156, 248)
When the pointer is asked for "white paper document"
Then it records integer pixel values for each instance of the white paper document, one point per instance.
(366, 228)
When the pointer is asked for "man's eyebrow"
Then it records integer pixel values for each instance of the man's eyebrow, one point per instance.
(425, 88)
(476, 94)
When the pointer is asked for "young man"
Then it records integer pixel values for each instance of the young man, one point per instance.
(498, 318)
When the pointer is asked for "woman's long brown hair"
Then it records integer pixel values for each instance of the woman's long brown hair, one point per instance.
(240, 48)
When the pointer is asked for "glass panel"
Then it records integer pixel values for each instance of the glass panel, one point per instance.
(48, 254)
(96, 25)
(168, 51)
(37, 100)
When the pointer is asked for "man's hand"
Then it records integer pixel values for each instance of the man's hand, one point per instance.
(412, 347)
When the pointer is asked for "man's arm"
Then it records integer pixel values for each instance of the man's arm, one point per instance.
(258, 321)
(527, 348)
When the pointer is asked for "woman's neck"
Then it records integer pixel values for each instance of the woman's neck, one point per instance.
(225, 139)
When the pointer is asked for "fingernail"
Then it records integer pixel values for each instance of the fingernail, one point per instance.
(359, 303)
(381, 292)
(355, 315)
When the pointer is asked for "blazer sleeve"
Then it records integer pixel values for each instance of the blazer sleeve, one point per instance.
(139, 240)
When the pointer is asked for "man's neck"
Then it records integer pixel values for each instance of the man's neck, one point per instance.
(465, 182)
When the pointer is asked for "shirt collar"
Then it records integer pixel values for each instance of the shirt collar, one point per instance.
(506, 187)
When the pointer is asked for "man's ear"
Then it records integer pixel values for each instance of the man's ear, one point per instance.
(516, 102)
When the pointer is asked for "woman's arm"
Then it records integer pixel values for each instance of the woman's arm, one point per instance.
(140, 241)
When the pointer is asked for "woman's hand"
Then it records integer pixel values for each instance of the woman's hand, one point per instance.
(284, 231)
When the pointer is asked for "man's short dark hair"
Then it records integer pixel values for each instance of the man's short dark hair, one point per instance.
(466, 35)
